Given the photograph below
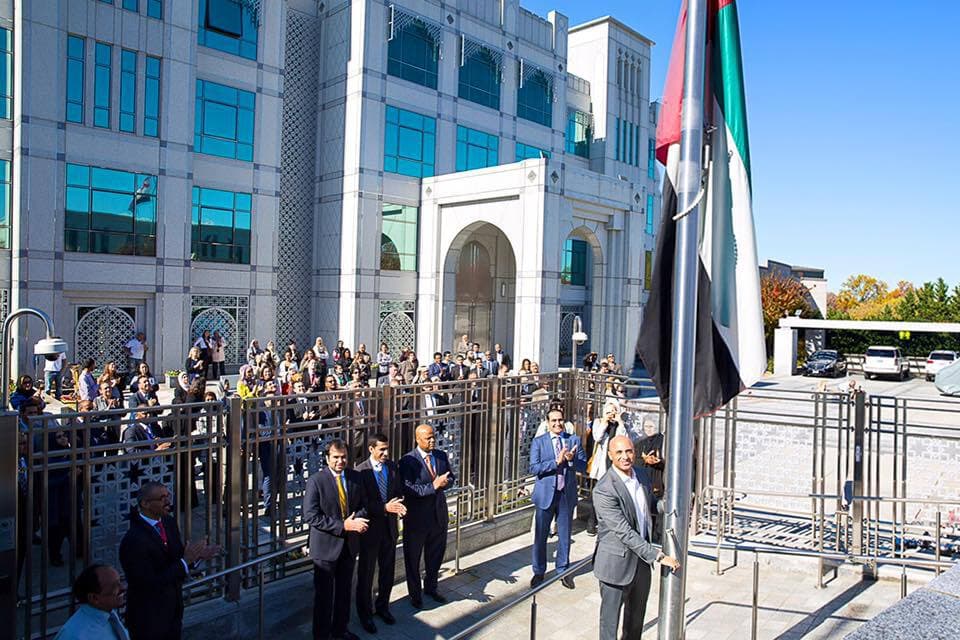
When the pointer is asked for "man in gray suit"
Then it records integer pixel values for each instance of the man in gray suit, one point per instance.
(624, 503)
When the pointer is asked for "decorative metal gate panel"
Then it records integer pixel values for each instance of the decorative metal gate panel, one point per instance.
(397, 327)
(227, 314)
(101, 333)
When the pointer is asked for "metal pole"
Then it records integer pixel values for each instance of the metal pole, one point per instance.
(533, 618)
(756, 595)
(577, 328)
(680, 426)
(9, 459)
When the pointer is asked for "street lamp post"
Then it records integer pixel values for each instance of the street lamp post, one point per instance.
(577, 338)
(49, 347)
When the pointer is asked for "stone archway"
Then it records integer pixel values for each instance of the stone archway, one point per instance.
(480, 273)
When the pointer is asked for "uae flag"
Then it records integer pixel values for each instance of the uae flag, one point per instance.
(730, 353)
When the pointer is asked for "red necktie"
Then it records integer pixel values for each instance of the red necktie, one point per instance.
(426, 459)
(162, 532)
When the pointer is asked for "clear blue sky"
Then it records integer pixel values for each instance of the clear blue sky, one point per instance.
(854, 115)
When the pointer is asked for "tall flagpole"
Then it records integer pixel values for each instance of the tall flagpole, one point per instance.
(680, 411)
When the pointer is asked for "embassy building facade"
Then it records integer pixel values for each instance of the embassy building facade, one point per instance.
(366, 171)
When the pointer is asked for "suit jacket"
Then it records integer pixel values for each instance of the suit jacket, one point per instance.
(321, 512)
(620, 543)
(543, 464)
(381, 521)
(154, 576)
(426, 506)
(459, 371)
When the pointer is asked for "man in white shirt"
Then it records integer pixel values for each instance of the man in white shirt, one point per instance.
(623, 500)
(136, 348)
(53, 375)
(100, 592)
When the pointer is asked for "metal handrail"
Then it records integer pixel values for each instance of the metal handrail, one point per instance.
(531, 593)
(246, 565)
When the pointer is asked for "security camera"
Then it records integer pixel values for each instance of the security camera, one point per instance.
(50, 348)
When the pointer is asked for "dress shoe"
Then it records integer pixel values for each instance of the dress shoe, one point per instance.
(436, 597)
(368, 626)
(348, 635)
(386, 616)
(536, 581)
(567, 581)
(417, 603)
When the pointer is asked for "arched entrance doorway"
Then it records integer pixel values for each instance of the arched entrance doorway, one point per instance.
(481, 270)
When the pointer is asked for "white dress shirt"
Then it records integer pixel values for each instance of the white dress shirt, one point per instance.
(639, 495)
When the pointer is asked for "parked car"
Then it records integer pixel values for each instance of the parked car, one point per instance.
(885, 361)
(826, 362)
(948, 379)
(937, 360)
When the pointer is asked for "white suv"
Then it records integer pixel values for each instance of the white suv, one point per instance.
(938, 360)
(885, 361)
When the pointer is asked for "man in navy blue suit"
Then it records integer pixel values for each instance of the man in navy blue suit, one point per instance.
(426, 473)
(555, 459)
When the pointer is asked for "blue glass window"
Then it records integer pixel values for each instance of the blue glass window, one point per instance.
(636, 146)
(224, 121)
(535, 99)
(75, 62)
(110, 211)
(574, 269)
(6, 194)
(128, 90)
(480, 79)
(155, 9)
(131, 5)
(398, 239)
(652, 159)
(579, 133)
(151, 97)
(6, 74)
(476, 149)
(649, 228)
(409, 143)
(616, 149)
(101, 85)
(412, 55)
(525, 151)
(220, 226)
(629, 158)
(228, 25)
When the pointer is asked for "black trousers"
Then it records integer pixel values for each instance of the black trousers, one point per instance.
(430, 543)
(378, 552)
(631, 599)
(331, 595)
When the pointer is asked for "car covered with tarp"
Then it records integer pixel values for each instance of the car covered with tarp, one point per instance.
(948, 380)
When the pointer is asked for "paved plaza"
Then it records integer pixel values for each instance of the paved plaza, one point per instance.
(718, 607)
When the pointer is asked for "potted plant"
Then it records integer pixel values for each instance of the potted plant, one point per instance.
(172, 376)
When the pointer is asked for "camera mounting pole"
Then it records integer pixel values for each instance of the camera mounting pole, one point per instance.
(51, 346)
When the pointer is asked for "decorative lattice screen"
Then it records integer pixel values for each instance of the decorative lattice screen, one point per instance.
(227, 314)
(397, 326)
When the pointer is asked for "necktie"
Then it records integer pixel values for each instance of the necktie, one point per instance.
(342, 495)
(560, 478)
(382, 482)
(427, 459)
(117, 626)
(162, 532)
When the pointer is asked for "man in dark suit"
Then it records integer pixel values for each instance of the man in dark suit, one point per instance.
(383, 489)
(502, 357)
(155, 564)
(426, 473)
(555, 459)
(334, 509)
(622, 562)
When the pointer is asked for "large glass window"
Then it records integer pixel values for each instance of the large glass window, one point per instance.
(131, 5)
(647, 270)
(75, 62)
(155, 9)
(616, 149)
(5, 204)
(480, 79)
(412, 54)
(6, 74)
(110, 211)
(574, 269)
(223, 125)
(101, 85)
(651, 158)
(151, 97)
(650, 213)
(128, 90)
(630, 146)
(398, 240)
(221, 226)
(476, 149)
(535, 99)
(526, 151)
(228, 25)
(409, 143)
(579, 133)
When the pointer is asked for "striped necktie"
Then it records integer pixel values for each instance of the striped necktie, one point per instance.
(382, 481)
(342, 495)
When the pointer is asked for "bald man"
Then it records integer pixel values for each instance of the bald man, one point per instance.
(426, 473)
(624, 502)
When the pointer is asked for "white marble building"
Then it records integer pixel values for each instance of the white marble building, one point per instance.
(369, 171)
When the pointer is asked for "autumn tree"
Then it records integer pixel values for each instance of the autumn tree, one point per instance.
(782, 296)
